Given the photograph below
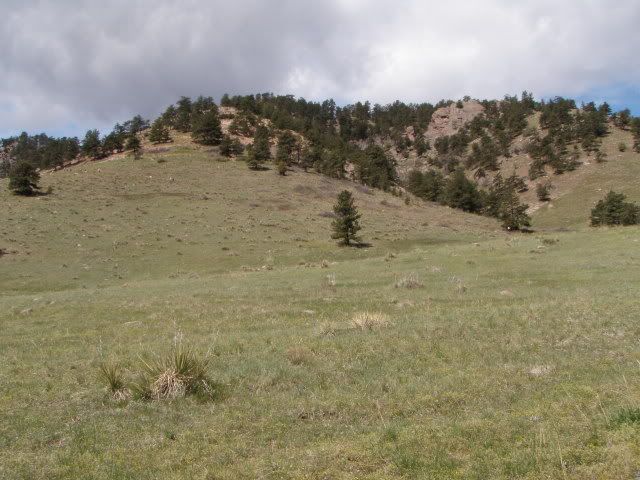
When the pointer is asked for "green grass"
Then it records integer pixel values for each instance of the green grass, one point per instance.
(511, 359)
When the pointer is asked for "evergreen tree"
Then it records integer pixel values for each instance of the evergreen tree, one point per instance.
(376, 169)
(614, 210)
(346, 224)
(462, 193)
(159, 132)
(206, 129)
(91, 145)
(253, 161)
(286, 145)
(23, 179)
(230, 147)
(182, 115)
(261, 149)
(133, 144)
(512, 213)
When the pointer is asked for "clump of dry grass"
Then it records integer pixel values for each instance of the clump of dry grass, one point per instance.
(180, 373)
(409, 281)
(113, 376)
(369, 320)
(330, 280)
(327, 329)
(299, 355)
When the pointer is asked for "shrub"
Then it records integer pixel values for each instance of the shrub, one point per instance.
(622, 147)
(543, 191)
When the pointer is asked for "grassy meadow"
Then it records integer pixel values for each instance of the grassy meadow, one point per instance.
(481, 354)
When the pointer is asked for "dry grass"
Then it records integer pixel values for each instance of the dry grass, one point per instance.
(180, 373)
(299, 355)
(409, 281)
(370, 320)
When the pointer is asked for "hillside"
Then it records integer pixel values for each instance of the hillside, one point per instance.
(186, 211)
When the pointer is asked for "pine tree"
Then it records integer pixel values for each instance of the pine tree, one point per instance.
(206, 129)
(513, 214)
(230, 147)
(159, 132)
(23, 179)
(253, 162)
(182, 115)
(613, 210)
(91, 145)
(346, 224)
(462, 193)
(261, 149)
(133, 144)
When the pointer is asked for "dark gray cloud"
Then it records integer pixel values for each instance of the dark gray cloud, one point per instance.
(68, 65)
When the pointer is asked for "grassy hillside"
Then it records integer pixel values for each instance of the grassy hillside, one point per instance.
(515, 357)
(577, 192)
(122, 219)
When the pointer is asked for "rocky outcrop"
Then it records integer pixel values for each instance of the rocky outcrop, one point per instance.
(448, 120)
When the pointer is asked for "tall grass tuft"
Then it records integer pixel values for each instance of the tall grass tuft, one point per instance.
(180, 373)
(113, 376)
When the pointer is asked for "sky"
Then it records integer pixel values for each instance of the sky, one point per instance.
(70, 65)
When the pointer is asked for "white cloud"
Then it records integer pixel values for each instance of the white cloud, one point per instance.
(93, 64)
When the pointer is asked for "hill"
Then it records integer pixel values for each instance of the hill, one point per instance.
(446, 348)
(187, 211)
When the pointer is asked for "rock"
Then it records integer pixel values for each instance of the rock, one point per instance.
(448, 120)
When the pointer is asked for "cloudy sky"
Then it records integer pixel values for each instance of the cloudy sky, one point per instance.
(68, 65)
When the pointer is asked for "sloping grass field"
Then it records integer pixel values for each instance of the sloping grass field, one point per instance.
(488, 355)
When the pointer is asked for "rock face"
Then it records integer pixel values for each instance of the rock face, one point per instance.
(448, 120)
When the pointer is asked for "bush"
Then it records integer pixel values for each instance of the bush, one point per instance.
(613, 210)
(543, 191)
(622, 147)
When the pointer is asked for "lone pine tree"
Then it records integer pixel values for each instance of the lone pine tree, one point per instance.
(346, 224)
(23, 179)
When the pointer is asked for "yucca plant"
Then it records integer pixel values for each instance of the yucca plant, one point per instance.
(113, 376)
(180, 373)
